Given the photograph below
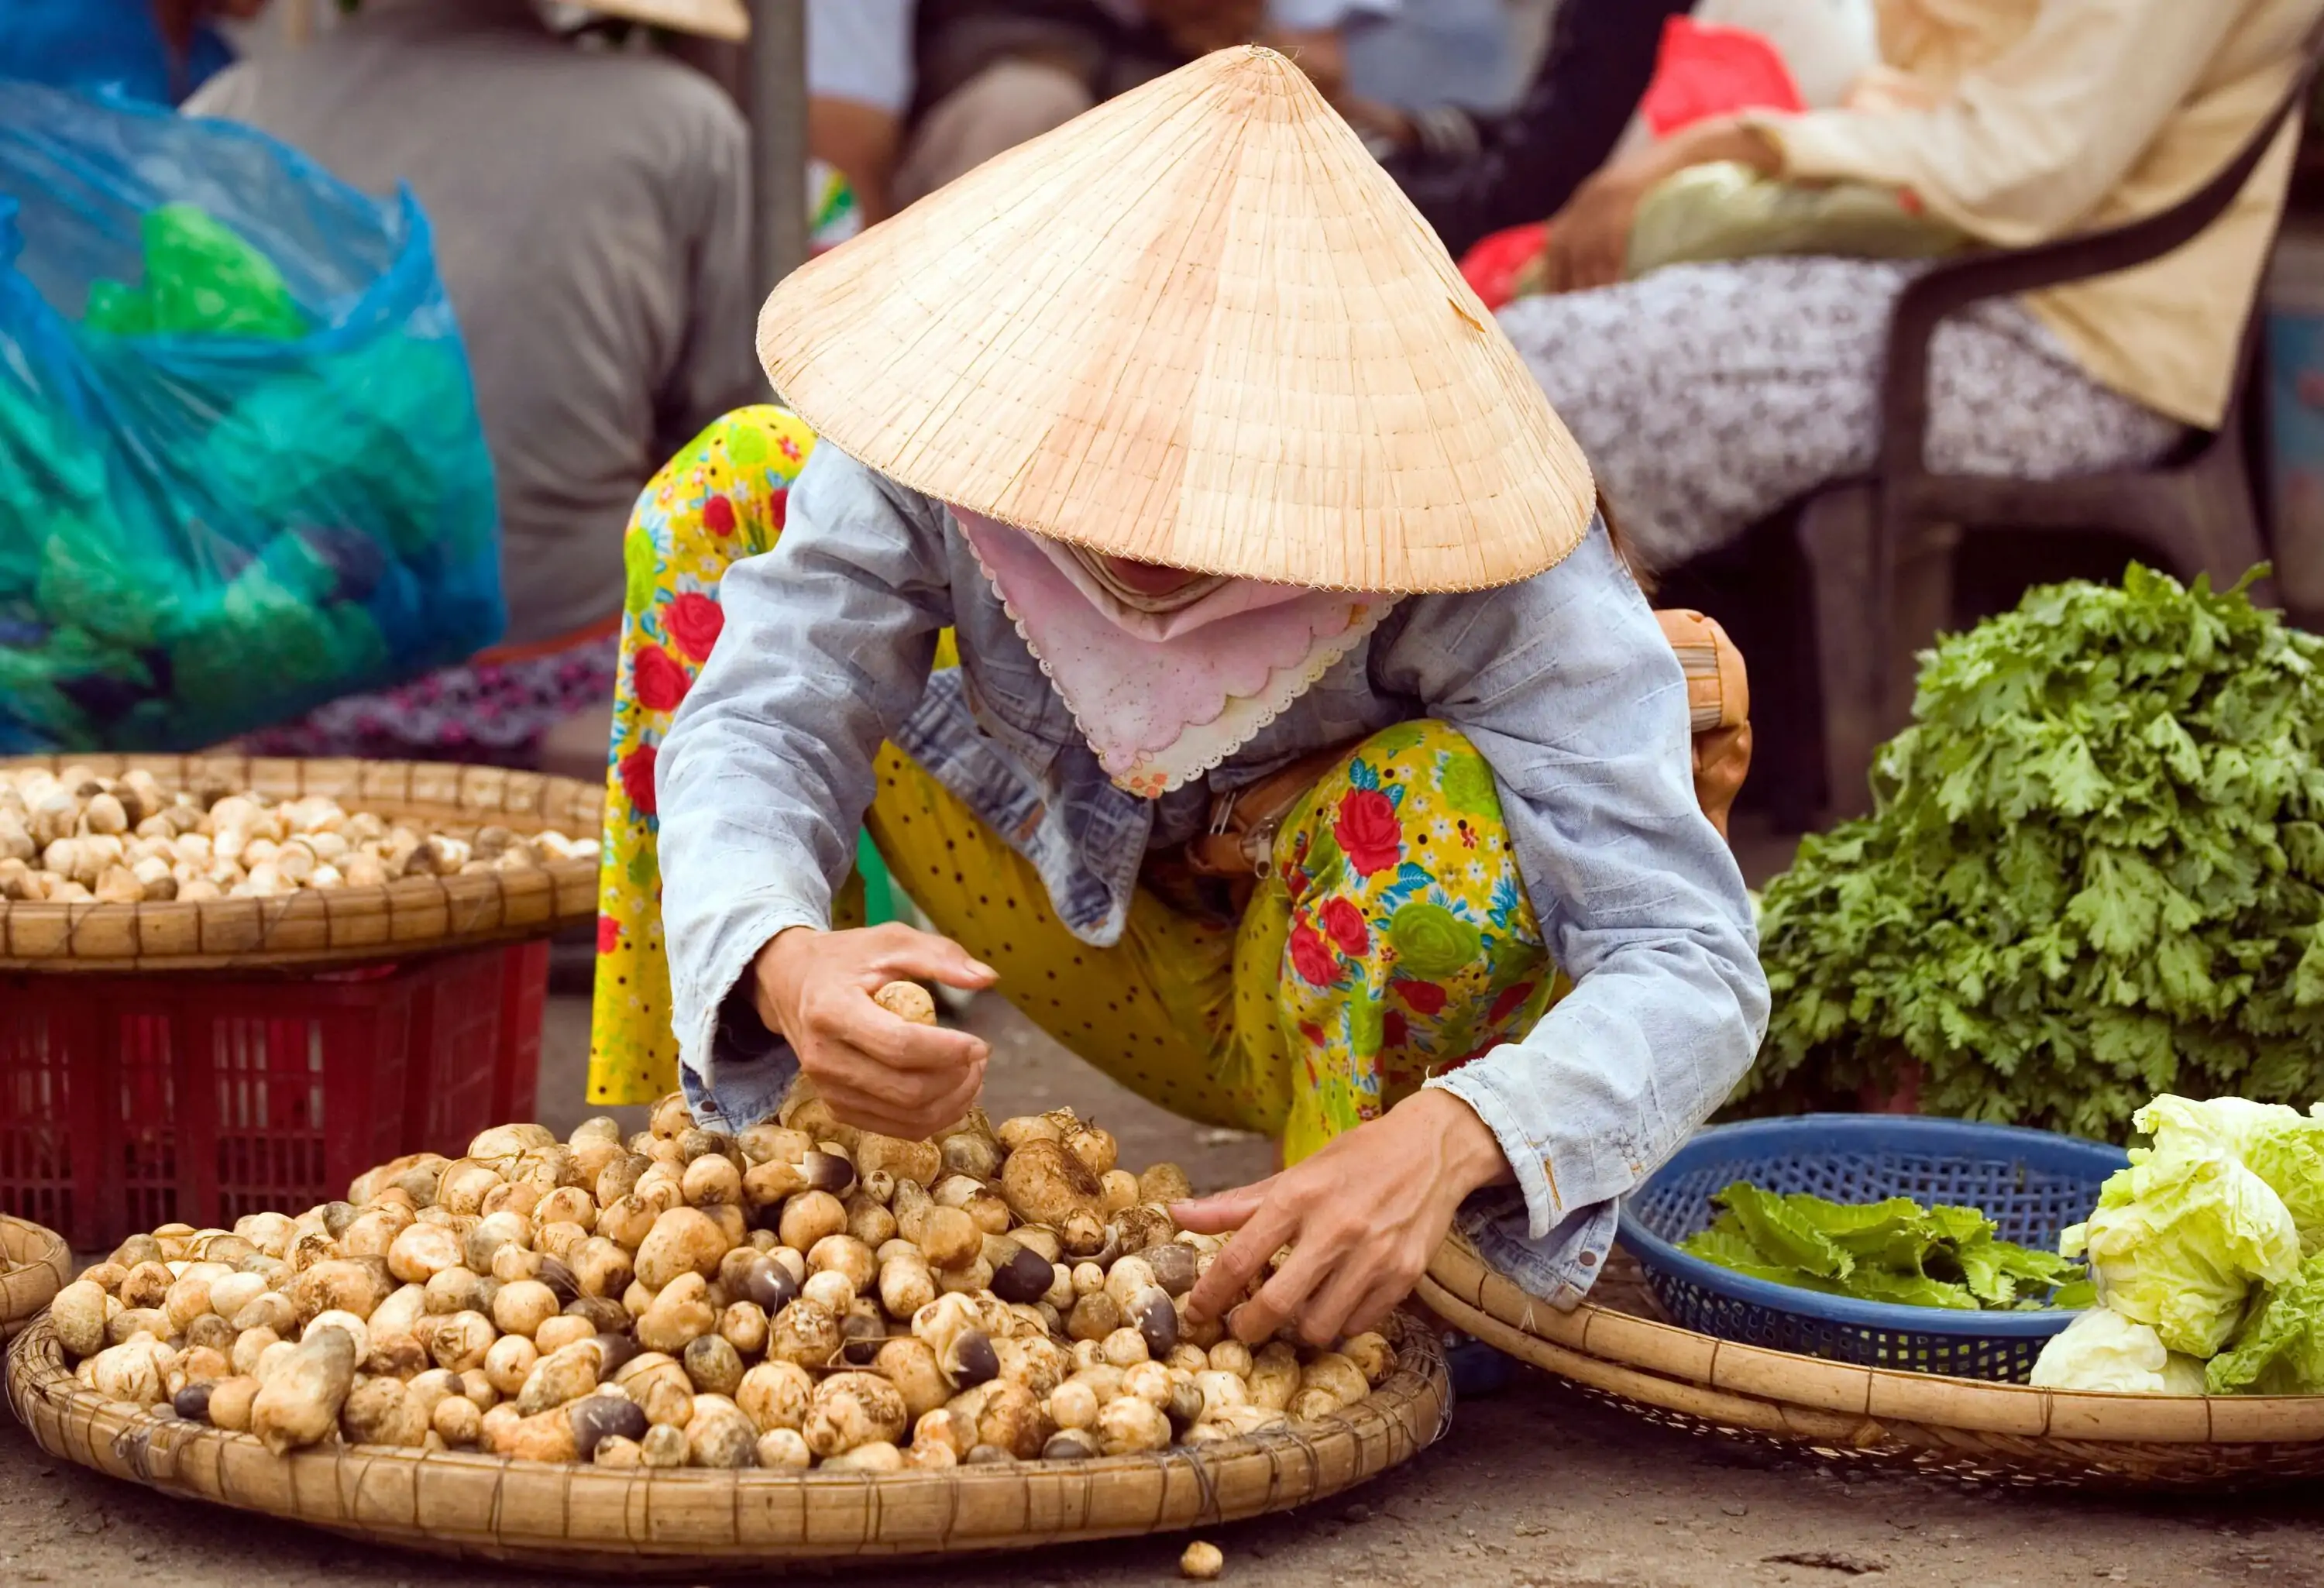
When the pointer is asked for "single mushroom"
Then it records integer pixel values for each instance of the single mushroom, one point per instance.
(1131, 1424)
(597, 1418)
(910, 1365)
(299, 1403)
(850, 1409)
(714, 1366)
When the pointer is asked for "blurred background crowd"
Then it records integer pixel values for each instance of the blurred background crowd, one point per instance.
(1723, 234)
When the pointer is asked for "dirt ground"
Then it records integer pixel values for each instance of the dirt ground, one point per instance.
(1536, 1486)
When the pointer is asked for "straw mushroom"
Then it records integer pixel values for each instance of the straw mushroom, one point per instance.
(1336, 1376)
(681, 1313)
(803, 1333)
(664, 1446)
(683, 1239)
(1131, 1424)
(77, 1314)
(911, 1365)
(1045, 1184)
(1202, 1562)
(1373, 1357)
(714, 1366)
(299, 1403)
(784, 1449)
(851, 1409)
(775, 1395)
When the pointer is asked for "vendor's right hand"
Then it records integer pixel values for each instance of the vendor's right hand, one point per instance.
(877, 1072)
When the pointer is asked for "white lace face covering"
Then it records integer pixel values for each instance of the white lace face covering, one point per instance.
(1165, 687)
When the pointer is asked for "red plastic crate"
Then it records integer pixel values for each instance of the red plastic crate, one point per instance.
(130, 1101)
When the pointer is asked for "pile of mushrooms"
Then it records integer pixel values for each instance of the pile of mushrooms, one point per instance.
(75, 838)
(801, 1294)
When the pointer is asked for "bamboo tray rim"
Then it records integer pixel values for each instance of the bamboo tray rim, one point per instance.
(1815, 1401)
(35, 1263)
(308, 930)
(470, 1504)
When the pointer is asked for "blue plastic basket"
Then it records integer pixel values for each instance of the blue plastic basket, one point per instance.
(2030, 1183)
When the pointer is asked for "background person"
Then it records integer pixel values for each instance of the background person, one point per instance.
(993, 73)
(591, 213)
(1709, 395)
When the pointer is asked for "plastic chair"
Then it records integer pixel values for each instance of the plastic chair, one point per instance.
(1881, 549)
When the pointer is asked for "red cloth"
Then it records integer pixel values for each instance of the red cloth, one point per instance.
(1700, 72)
(1704, 71)
(1490, 267)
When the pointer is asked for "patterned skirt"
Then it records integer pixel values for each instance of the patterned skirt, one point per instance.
(1706, 397)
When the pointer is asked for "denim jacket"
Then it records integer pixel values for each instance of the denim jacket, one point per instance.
(1562, 682)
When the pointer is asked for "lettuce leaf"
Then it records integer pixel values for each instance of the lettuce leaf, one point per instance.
(2281, 1146)
(2104, 1350)
(2281, 1351)
(1894, 1250)
(2181, 1238)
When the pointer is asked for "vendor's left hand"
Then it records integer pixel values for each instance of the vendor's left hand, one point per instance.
(1590, 239)
(1363, 1217)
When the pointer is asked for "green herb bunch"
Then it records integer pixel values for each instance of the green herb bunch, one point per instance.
(2092, 873)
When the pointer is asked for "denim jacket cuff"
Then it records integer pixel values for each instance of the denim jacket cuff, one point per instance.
(1534, 1162)
(732, 1070)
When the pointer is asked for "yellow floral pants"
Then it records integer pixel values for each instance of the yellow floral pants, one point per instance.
(1391, 941)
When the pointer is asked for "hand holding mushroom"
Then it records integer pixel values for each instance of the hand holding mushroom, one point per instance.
(876, 1069)
(1363, 1216)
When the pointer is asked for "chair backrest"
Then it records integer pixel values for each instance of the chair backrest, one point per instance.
(1951, 286)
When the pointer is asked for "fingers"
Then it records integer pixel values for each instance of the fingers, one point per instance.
(1227, 1210)
(903, 952)
(914, 1118)
(856, 1021)
(1359, 1294)
(1239, 1263)
(1372, 1311)
(1281, 1300)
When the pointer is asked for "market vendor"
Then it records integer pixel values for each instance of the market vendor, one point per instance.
(1312, 764)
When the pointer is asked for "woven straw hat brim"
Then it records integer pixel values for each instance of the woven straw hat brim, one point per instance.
(712, 19)
(1198, 327)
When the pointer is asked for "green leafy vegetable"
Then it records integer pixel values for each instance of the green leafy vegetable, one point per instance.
(2180, 1237)
(2095, 873)
(1894, 1250)
(2104, 1350)
(2281, 1352)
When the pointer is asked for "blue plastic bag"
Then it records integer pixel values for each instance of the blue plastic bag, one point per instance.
(241, 469)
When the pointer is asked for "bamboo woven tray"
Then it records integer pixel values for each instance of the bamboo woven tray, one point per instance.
(1619, 1352)
(35, 1263)
(417, 915)
(583, 1519)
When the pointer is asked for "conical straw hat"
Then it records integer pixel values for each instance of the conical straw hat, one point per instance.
(1197, 326)
(715, 19)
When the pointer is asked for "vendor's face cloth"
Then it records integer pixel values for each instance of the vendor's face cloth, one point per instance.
(1164, 688)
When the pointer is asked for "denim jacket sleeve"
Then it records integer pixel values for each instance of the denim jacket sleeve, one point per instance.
(1567, 687)
(768, 769)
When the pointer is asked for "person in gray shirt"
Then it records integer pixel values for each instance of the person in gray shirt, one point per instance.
(591, 219)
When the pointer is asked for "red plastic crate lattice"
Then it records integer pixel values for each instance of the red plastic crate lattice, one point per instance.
(126, 1103)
